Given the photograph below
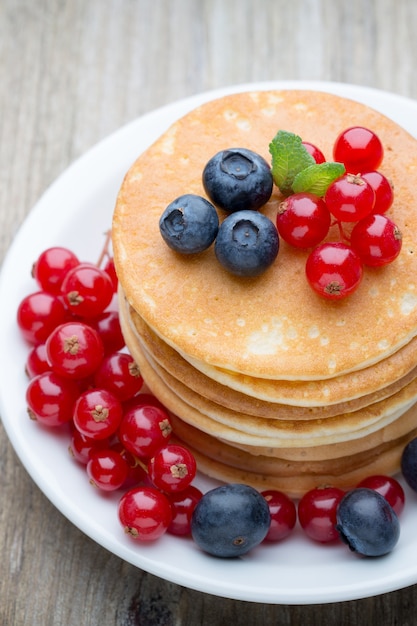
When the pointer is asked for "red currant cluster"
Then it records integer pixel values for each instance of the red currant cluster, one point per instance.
(355, 203)
(82, 378)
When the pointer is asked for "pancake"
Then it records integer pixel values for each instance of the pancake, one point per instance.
(292, 399)
(385, 462)
(272, 326)
(299, 433)
(280, 467)
(270, 434)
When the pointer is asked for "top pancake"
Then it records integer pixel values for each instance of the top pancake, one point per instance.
(272, 326)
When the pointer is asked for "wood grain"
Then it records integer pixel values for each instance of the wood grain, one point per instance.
(73, 71)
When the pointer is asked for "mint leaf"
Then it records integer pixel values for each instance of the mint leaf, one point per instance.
(289, 157)
(316, 178)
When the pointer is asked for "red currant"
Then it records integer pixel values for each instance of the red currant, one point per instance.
(283, 515)
(38, 314)
(107, 469)
(87, 290)
(143, 399)
(333, 270)
(303, 220)
(172, 468)
(183, 504)
(145, 513)
(97, 413)
(388, 487)
(384, 193)
(350, 198)
(81, 446)
(51, 268)
(359, 149)
(119, 374)
(317, 513)
(108, 327)
(315, 152)
(377, 240)
(51, 399)
(37, 362)
(144, 429)
(74, 350)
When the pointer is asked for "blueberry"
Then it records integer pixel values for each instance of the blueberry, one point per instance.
(230, 520)
(189, 224)
(247, 243)
(238, 179)
(367, 523)
(409, 464)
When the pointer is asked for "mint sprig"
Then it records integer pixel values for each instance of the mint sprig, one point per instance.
(316, 178)
(294, 169)
(289, 158)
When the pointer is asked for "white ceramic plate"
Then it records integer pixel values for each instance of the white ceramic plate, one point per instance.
(74, 212)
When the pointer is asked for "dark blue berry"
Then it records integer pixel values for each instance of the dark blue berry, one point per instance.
(230, 520)
(189, 224)
(238, 179)
(367, 523)
(247, 243)
(409, 464)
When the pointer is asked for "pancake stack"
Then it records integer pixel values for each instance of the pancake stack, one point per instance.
(269, 384)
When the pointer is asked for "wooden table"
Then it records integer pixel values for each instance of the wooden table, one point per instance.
(73, 71)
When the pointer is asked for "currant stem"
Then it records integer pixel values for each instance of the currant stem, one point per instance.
(342, 233)
(105, 253)
(141, 464)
